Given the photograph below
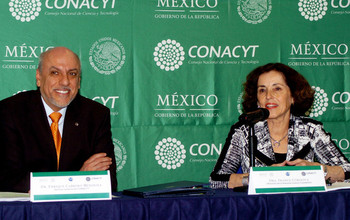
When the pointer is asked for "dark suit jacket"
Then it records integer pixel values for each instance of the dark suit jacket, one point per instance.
(26, 142)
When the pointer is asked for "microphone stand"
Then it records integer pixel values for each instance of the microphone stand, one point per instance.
(252, 140)
(252, 144)
(251, 118)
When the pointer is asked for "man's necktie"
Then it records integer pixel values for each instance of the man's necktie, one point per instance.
(55, 117)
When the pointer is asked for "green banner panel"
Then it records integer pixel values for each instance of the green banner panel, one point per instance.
(171, 72)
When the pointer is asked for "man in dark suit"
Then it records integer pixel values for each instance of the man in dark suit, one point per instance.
(26, 141)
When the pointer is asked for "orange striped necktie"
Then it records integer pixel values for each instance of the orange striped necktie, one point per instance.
(55, 117)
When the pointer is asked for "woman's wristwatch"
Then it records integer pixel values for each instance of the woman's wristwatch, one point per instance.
(325, 170)
(245, 180)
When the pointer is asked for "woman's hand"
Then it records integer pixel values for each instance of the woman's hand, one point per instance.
(279, 164)
(300, 162)
(236, 180)
(335, 173)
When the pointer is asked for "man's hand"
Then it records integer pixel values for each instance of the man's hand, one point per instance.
(98, 161)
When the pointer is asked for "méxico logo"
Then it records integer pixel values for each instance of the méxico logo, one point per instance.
(107, 56)
(120, 154)
(313, 10)
(169, 55)
(170, 153)
(320, 103)
(25, 10)
(254, 11)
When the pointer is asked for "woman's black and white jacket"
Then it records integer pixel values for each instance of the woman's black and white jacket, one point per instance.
(306, 140)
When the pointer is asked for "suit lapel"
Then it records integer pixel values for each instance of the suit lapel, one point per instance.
(71, 126)
(40, 124)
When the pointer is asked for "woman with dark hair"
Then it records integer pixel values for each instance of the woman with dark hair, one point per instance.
(286, 137)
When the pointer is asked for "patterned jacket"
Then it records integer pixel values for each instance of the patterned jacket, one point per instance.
(306, 140)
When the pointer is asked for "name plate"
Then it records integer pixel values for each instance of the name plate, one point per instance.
(68, 186)
(286, 179)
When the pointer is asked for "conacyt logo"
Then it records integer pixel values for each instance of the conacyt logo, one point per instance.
(108, 101)
(313, 10)
(25, 10)
(254, 11)
(320, 103)
(170, 153)
(169, 55)
(107, 55)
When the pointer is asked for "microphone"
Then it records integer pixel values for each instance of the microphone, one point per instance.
(253, 117)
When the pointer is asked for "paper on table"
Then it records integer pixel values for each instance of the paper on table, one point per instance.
(339, 185)
(14, 196)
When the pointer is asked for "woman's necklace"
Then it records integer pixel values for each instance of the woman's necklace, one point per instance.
(277, 143)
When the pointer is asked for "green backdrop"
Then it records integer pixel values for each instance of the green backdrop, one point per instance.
(171, 70)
